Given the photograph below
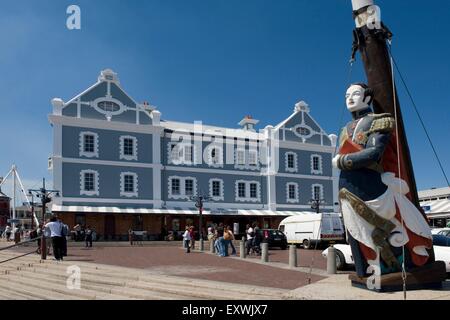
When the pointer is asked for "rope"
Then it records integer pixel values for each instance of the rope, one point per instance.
(418, 115)
(17, 257)
(399, 166)
(19, 244)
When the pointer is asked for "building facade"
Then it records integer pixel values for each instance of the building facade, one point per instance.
(436, 205)
(119, 166)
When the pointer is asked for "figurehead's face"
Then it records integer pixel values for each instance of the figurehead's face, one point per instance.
(355, 99)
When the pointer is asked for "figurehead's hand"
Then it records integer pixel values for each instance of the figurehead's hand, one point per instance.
(336, 161)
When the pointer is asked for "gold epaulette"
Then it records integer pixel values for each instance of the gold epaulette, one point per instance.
(384, 123)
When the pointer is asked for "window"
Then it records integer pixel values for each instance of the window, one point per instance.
(216, 189)
(182, 187)
(128, 148)
(88, 144)
(188, 154)
(292, 192)
(252, 158)
(253, 190)
(241, 190)
(108, 106)
(291, 162)
(189, 187)
(89, 184)
(176, 187)
(316, 164)
(240, 157)
(317, 192)
(89, 181)
(128, 184)
(248, 191)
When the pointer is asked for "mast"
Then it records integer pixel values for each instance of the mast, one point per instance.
(370, 38)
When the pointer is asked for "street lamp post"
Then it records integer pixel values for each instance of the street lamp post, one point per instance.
(45, 196)
(199, 201)
(316, 203)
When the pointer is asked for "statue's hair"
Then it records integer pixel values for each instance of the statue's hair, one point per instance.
(368, 91)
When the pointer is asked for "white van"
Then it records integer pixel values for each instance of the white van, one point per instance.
(309, 229)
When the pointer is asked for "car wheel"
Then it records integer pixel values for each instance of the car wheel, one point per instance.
(306, 244)
(340, 261)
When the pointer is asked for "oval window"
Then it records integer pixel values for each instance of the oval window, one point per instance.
(108, 106)
(303, 131)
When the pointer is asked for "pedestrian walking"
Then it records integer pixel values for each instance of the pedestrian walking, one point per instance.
(192, 234)
(88, 237)
(187, 240)
(55, 229)
(250, 235)
(8, 231)
(230, 238)
(220, 240)
(64, 234)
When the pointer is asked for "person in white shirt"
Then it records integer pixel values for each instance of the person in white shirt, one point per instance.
(55, 228)
(250, 235)
(187, 239)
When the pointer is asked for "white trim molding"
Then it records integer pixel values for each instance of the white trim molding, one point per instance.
(89, 154)
(247, 197)
(124, 193)
(182, 195)
(296, 198)
(286, 161)
(217, 161)
(124, 156)
(94, 192)
(320, 169)
(313, 193)
(246, 157)
(220, 197)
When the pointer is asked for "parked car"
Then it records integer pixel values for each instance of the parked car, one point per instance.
(441, 246)
(445, 232)
(274, 237)
(310, 229)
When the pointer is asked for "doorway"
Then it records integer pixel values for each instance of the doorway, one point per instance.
(110, 227)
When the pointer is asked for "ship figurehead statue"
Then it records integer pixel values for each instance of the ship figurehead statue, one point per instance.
(385, 230)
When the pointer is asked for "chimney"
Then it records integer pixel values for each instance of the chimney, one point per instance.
(248, 123)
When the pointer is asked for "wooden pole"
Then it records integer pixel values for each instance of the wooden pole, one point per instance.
(372, 45)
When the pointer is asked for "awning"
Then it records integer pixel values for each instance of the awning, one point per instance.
(436, 208)
(174, 211)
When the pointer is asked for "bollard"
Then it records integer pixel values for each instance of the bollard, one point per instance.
(264, 252)
(242, 252)
(293, 256)
(211, 246)
(43, 248)
(202, 245)
(331, 260)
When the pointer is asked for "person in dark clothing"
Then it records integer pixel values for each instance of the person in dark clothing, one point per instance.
(88, 237)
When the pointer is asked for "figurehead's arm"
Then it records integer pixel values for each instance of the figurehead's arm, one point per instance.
(378, 137)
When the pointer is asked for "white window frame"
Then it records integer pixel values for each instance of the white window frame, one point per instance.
(182, 195)
(219, 156)
(221, 196)
(88, 154)
(296, 198)
(247, 197)
(246, 157)
(90, 193)
(180, 147)
(321, 191)
(254, 153)
(313, 171)
(124, 156)
(123, 193)
(286, 160)
(237, 163)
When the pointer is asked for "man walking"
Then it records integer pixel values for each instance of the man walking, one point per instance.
(55, 228)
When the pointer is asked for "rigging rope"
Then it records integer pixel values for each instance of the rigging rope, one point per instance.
(418, 115)
(394, 96)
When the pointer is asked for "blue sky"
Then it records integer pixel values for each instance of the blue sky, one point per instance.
(215, 61)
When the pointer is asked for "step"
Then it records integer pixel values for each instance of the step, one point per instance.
(10, 284)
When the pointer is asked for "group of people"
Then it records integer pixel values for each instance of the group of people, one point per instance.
(82, 233)
(55, 232)
(189, 238)
(223, 239)
(254, 239)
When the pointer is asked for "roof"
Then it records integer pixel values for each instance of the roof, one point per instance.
(434, 193)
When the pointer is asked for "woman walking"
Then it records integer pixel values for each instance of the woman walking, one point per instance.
(187, 240)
